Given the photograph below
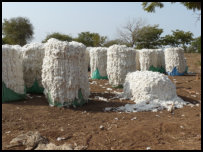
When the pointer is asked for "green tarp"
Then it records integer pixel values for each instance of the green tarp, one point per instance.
(96, 75)
(35, 88)
(9, 95)
(75, 103)
(154, 69)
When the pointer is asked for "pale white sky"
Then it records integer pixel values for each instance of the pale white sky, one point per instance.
(100, 17)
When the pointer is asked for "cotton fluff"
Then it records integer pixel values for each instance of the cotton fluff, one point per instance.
(32, 55)
(174, 57)
(98, 60)
(151, 91)
(12, 68)
(120, 61)
(64, 71)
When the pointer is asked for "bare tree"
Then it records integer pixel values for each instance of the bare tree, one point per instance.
(128, 33)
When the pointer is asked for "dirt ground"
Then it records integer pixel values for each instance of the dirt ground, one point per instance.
(153, 130)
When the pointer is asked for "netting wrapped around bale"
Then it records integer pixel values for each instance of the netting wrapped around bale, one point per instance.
(12, 74)
(98, 62)
(32, 55)
(175, 63)
(120, 61)
(151, 91)
(64, 73)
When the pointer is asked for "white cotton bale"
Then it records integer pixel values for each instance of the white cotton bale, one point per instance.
(64, 71)
(120, 61)
(98, 60)
(174, 57)
(151, 90)
(32, 55)
(148, 57)
(12, 68)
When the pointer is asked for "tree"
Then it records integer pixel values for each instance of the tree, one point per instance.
(148, 37)
(91, 39)
(112, 42)
(17, 31)
(128, 33)
(196, 44)
(150, 6)
(178, 38)
(59, 36)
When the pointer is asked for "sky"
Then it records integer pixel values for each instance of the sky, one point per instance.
(104, 18)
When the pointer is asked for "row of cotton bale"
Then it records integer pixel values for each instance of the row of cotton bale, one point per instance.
(64, 73)
(170, 60)
(13, 87)
(58, 68)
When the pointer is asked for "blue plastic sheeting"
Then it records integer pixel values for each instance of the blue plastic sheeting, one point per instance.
(176, 73)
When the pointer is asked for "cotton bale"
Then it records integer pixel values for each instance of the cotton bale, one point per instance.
(120, 61)
(33, 55)
(64, 73)
(148, 58)
(12, 73)
(175, 63)
(98, 62)
(150, 91)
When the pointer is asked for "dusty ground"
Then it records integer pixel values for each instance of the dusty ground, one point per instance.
(157, 130)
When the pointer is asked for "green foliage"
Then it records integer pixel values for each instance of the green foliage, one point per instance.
(59, 36)
(196, 44)
(178, 38)
(17, 31)
(91, 39)
(148, 37)
(150, 6)
(112, 42)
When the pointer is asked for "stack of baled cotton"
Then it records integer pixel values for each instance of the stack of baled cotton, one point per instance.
(120, 61)
(98, 62)
(33, 55)
(148, 58)
(12, 74)
(64, 73)
(175, 63)
(151, 91)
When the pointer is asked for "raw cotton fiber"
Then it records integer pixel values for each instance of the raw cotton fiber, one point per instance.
(120, 61)
(64, 73)
(12, 68)
(151, 91)
(33, 55)
(174, 57)
(98, 62)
